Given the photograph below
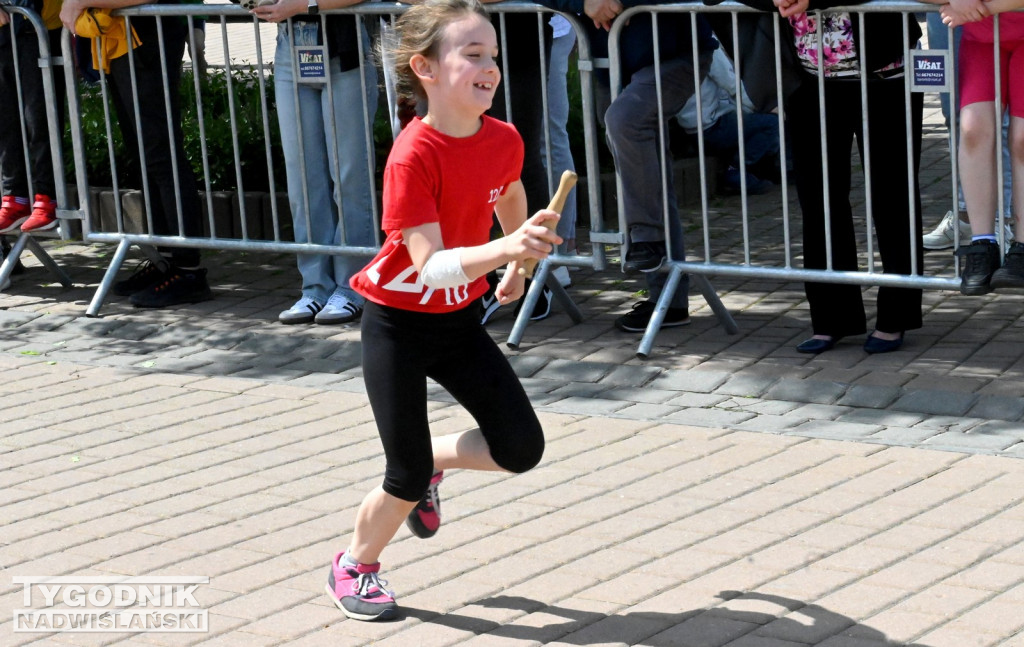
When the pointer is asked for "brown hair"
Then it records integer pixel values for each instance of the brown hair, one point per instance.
(419, 31)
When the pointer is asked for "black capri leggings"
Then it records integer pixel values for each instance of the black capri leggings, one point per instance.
(401, 349)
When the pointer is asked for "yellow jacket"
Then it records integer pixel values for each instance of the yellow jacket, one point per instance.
(109, 39)
(51, 13)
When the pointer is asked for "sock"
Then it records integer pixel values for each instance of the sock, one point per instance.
(989, 237)
(20, 200)
(346, 560)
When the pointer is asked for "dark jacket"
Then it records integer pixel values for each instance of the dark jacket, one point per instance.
(636, 47)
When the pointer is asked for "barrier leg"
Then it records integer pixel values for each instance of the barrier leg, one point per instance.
(44, 258)
(561, 296)
(108, 279)
(541, 277)
(723, 314)
(675, 275)
(7, 267)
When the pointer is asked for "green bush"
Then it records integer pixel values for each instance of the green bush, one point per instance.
(248, 124)
(218, 125)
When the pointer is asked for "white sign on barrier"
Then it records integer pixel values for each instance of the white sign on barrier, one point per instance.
(931, 70)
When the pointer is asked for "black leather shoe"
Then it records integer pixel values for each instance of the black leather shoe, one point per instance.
(815, 346)
(981, 260)
(644, 257)
(876, 345)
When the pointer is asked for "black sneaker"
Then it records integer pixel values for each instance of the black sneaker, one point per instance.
(144, 276)
(644, 257)
(178, 286)
(1011, 275)
(636, 320)
(489, 302)
(543, 308)
(981, 260)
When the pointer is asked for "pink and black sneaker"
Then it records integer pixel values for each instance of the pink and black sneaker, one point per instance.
(425, 518)
(359, 592)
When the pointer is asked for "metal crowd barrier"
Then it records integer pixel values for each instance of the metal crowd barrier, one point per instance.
(262, 224)
(711, 261)
(248, 226)
(46, 64)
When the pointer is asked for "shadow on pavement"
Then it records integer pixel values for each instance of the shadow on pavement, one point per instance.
(754, 617)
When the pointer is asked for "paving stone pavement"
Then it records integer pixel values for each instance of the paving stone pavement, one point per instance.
(728, 491)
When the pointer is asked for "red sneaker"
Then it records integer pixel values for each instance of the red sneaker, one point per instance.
(13, 213)
(44, 215)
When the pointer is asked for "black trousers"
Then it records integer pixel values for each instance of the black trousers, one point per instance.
(157, 145)
(525, 79)
(31, 113)
(838, 310)
(401, 349)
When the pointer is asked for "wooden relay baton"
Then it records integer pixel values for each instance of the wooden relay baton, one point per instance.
(565, 184)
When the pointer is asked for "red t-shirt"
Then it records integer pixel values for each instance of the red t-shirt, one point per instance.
(453, 181)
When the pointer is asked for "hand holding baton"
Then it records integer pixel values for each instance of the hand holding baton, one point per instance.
(565, 184)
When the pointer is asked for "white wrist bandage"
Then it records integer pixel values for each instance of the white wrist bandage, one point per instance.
(444, 270)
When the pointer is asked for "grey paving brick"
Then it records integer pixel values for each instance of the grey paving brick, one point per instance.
(998, 407)
(974, 443)
(693, 381)
(642, 394)
(835, 430)
(940, 403)
(580, 390)
(883, 417)
(567, 371)
(327, 366)
(873, 397)
(769, 423)
(820, 412)
(134, 330)
(272, 344)
(643, 411)
(587, 406)
(709, 417)
(697, 400)
(629, 375)
(746, 385)
(805, 391)
(527, 365)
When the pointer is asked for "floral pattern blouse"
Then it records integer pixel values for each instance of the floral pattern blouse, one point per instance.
(841, 58)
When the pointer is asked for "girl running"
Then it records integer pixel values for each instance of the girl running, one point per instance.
(446, 175)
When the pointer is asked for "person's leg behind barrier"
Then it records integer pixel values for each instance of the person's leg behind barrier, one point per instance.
(352, 180)
(314, 215)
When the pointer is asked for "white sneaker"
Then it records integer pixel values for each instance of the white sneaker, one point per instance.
(304, 310)
(338, 310)
(942, 236)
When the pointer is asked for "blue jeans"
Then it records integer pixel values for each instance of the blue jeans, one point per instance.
(347, 188)
(938, 38)
(632, 128)
(558, 116)
(760, 137)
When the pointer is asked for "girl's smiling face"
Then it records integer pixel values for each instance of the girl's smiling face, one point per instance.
(462, 80)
